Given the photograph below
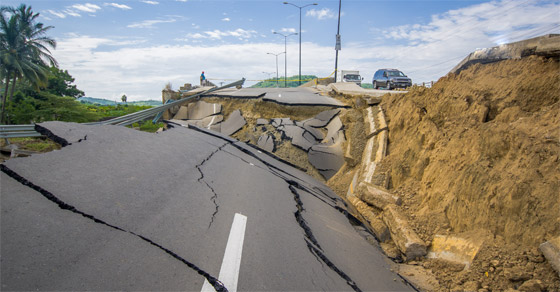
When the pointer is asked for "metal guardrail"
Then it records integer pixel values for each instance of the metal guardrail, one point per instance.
(142, 115)
(17, 131)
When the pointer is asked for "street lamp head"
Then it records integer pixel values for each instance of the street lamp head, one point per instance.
(286, 2)
(315, 4)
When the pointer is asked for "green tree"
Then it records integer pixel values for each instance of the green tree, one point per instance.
(24, 49)
(123, 98)
(60, 83)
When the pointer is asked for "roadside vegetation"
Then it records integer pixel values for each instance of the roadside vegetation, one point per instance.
(291, 81)
(33, 89)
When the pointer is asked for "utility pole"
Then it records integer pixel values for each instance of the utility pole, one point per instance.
(338, 45)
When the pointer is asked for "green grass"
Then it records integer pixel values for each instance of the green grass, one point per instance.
(34, 144)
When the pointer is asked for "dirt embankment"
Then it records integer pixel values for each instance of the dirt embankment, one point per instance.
(480, 151)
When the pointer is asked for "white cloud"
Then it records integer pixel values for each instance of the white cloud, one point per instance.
(181, 0)
(57, 14)
(72, 13)
(226, 19)
(150, 2)
(218, 34)
(88, 7)
(149, 23)
(321, 14)
(288, 30)
(120, 6)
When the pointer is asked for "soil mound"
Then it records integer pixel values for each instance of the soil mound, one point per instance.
(480, 151)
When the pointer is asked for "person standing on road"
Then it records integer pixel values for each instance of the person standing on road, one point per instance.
(202, 79)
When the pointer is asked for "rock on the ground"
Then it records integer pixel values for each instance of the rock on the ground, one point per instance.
(402, 234)
(551, 251)
(531, 286)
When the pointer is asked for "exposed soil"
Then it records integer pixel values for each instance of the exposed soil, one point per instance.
(480, 151)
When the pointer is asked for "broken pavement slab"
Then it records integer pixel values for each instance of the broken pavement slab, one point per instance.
(182, 114)
(298, 136)
(403, 235)
(328, 159)
(201, 109)
(333, 128)
(460, 248)
(300, 96)
(551, 251)
(321, 119)
(233, 123)
(266, 142)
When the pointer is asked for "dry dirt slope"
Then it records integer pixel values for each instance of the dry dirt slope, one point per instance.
(481, 153)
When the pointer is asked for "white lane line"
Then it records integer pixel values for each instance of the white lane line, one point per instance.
(229, 272)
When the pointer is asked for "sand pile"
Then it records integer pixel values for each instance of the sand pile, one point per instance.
(480, 151)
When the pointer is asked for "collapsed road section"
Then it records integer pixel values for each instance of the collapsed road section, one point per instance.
(298, 124)
(119, 209)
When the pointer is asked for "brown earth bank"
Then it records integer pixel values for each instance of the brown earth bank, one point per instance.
(480, 152)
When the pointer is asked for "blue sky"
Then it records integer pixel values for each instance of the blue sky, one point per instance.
(135, 47)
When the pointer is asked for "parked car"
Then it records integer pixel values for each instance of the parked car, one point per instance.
(390, 78)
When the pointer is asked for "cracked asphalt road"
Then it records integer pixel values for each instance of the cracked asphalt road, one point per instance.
(118, 209)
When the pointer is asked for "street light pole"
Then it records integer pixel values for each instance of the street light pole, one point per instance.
(337, 46)
(300, 7)
(276, 55)
(285, 56)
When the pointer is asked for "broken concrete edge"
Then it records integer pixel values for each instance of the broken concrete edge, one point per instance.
(551, 251)
(232, 96)
(50, 135)
(375, 196)
(382, 138)
(306, 104)
(403, 235)
(455, 248)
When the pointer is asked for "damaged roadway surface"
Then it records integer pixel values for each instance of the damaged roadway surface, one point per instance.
(119, 209)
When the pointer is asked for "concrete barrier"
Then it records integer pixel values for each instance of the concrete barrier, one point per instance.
(403, 235)
(377, 226)
(375, 196)
(455, 248)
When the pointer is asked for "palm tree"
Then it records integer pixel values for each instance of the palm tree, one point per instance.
(24, 49)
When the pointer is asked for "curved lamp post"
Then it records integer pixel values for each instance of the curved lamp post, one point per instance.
(276, 55)
(285, 56)
(300, 7)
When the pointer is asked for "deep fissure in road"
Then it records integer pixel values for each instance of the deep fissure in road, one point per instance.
(311, 241)
(201, 179)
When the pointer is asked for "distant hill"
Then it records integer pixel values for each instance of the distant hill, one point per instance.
(100, 101)
(292, 81)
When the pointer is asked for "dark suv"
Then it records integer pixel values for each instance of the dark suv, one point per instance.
(390, 78)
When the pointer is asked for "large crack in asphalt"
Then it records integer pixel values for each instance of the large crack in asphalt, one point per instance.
(202, 180)
(217, 284)
(312, 243)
